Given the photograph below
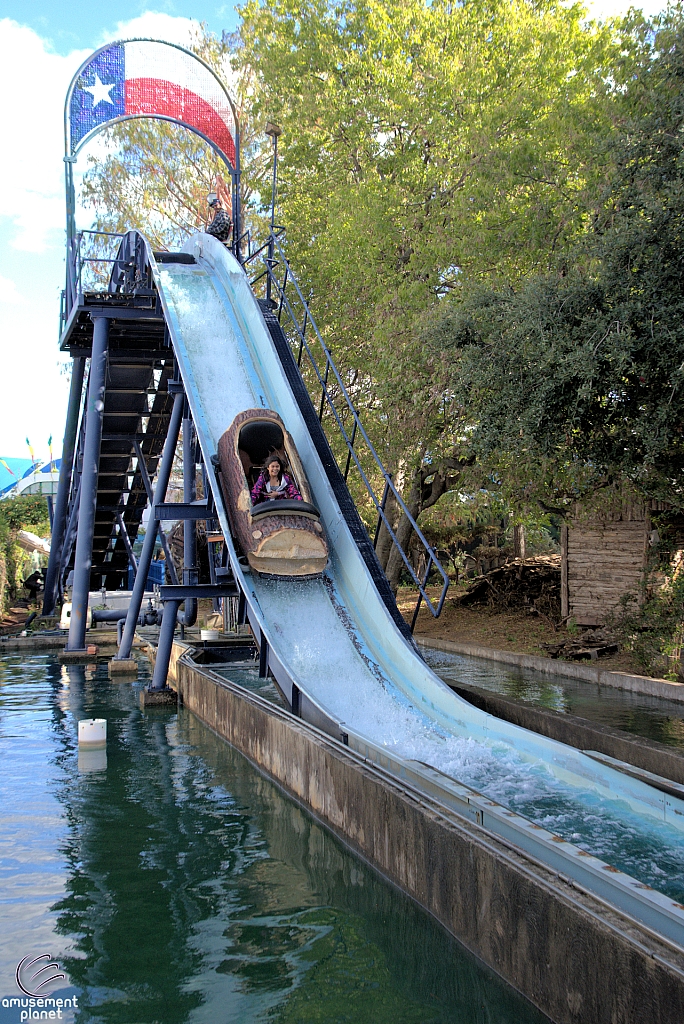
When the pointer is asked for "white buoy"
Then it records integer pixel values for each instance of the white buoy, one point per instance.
(92, 733)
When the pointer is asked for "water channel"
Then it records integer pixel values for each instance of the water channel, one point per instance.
(654, 718)
(649, 850)
(174, 883)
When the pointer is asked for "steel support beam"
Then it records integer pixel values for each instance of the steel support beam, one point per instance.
(69, 538)
(64, 487)
(188, 617)
(161, 664)
(88, 499)
(147, 484)
(187, 510)
(200, 591)
(127, 542)
(165, 468)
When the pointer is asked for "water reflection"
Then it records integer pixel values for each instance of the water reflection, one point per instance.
(191, 890)
(654, 718)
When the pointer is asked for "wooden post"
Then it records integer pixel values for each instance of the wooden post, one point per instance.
(564, 594)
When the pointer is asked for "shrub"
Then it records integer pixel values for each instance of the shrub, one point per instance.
(24, 512)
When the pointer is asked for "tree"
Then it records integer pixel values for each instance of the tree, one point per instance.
(25, 510)
(576, 378)
(425, 145)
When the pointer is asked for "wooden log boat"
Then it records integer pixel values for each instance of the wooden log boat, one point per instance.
(280, 537)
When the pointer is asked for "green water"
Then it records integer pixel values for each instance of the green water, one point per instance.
(177, 884)
(654, 718)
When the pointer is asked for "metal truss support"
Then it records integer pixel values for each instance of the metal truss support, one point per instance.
(69, 537)
(168, 626)
(147, 484)
(198, 591)
(145, 561)
(127, 542)
(64, 487)
(89, 474)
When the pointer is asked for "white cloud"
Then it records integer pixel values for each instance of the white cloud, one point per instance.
(9, 293)
(34, 81)
(32, 181)
(154, 26)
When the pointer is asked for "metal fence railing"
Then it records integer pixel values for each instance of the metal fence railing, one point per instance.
(329, 394)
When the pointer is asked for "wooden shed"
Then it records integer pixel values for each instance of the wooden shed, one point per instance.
(603, 556)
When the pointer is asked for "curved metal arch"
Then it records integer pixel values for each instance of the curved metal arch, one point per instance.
(150, 117)
(143, 39)
(71, 157)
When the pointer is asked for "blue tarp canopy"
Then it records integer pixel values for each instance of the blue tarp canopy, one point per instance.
(19, 467)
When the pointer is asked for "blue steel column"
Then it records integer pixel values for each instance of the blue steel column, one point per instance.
(145, 559)
(64, 487)
(161, 664)
(189, 616)
(88, 500)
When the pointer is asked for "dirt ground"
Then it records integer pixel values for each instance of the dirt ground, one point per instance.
(14, 618)
(515, 631)
(501, 630)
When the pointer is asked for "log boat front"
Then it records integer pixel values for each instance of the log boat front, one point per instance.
(280, 537)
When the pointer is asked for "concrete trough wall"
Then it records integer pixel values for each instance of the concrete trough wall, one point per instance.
(573, 957)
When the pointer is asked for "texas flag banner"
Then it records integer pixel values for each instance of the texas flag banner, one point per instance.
(143, 77)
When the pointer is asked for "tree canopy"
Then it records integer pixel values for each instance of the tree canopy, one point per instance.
(581, 371)
(483, 201)
(423, 143)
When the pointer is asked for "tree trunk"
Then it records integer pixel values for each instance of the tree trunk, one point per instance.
(422, 496)
(395, 563)
(418, 501)
(519, 541)
(385, 542)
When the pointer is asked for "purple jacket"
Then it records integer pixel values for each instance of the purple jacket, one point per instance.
(259, 492)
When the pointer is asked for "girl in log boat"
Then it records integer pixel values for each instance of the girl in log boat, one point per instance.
(271, 509)
(274, 483)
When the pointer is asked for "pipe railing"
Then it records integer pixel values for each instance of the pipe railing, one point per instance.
(331, 384)
(79, 262)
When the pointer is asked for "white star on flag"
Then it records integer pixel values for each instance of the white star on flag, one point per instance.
(99, 91)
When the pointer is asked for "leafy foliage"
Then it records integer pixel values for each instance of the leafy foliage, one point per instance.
(576, 377)
(651, 624)
(427, 149)
(426, 146)
(24, 511)
(422, 143)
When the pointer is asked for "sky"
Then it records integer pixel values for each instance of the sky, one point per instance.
(42, 45)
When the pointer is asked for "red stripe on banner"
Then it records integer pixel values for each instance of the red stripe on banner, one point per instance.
(155, 96)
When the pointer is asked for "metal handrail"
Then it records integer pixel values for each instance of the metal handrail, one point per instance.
(78, 260)
(284, 304)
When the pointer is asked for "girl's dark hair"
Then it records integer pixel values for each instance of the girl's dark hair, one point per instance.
(274, 457)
